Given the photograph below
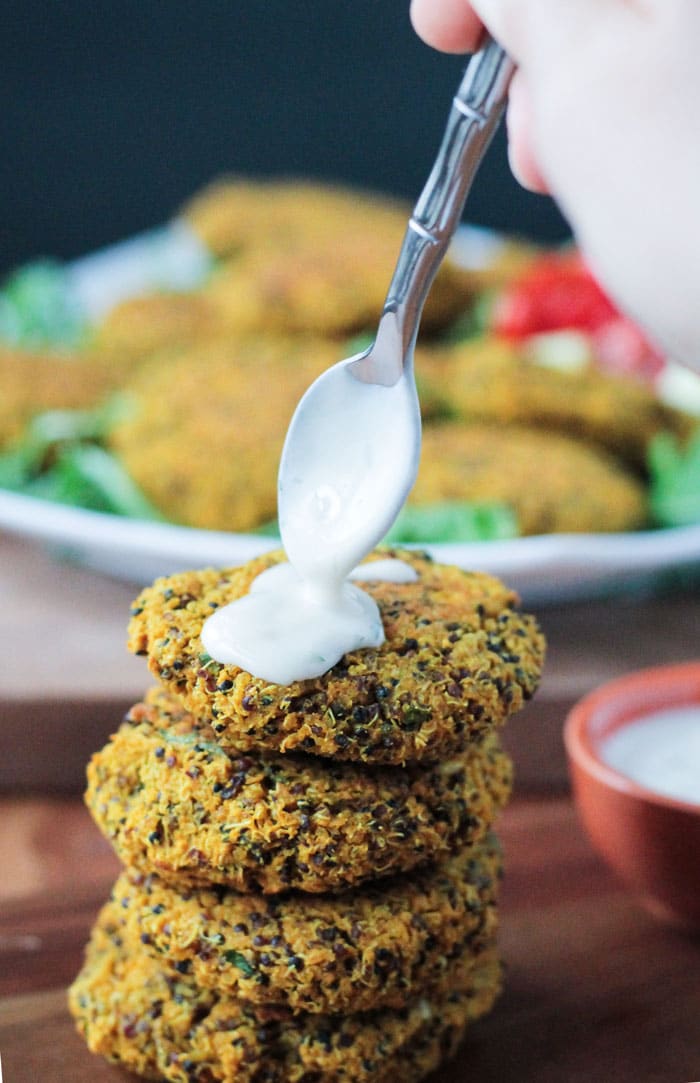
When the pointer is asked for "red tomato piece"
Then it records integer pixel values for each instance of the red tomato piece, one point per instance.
(556, 293)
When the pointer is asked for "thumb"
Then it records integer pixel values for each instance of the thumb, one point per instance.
(521, 152)
(451, 27)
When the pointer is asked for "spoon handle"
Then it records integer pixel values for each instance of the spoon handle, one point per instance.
(476, 110)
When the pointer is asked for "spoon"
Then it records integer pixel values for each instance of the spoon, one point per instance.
(351, 452)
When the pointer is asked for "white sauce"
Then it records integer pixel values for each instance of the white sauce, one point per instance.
(387, 571)
(661, 752)
(287, 629)
(350, 458)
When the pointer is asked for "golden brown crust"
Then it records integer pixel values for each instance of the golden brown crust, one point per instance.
(553, 483)
(380, 946)
(458, 659)
(171, 801)
(160, 1026)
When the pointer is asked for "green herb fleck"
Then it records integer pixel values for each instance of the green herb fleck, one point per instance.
(414, 717)
(236, 959)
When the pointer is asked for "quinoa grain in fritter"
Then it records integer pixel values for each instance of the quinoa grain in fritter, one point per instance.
(173, 802)
(379, 946)
(458, 659)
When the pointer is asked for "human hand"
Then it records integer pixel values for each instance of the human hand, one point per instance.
(603, 113)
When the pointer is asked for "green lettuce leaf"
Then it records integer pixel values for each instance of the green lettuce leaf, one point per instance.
(37, 310)
(454, 521)
(674, 486)
(60, 458)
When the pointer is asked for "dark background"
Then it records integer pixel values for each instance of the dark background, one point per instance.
(113, 113)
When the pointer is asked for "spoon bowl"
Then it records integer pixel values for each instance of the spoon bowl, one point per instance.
(349, 460)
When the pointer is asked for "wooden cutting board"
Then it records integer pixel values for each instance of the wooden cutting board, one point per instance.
(595, 989)
(38, 1044)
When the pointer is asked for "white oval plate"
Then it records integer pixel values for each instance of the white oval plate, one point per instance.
(547, 568)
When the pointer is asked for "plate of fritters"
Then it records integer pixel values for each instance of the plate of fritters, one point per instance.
(208, 332)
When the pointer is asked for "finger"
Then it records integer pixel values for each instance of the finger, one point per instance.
(537, 25)
(521, 150)
(449, 25)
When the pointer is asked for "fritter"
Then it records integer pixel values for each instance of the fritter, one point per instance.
(490, 380)
(162, 1026)
(308, 257)
(141, 327)
(332, 287)
(234, 214)
(381, 946)
(431, 368)
(458, 659)
(207, 427)
(172, 801)
(208, 421)
(553, 483)
(33, 382)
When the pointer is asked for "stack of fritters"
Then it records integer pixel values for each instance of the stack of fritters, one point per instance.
(310, 888)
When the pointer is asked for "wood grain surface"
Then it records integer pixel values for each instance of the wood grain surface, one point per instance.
(596, 990)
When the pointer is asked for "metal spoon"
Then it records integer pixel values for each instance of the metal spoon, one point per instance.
(351, 453)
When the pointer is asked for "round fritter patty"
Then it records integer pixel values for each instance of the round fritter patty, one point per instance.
(457, 660)
(489, 380)
(299, 256)
(173, 802)
(204, 437)
(553, 483)
(163, 1027)
(381, 946)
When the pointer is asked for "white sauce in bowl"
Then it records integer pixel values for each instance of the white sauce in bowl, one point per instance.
(660, 751)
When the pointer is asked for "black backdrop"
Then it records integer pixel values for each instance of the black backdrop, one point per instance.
(112, 113)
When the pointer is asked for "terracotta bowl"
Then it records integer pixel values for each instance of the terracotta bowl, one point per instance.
(651, 841)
